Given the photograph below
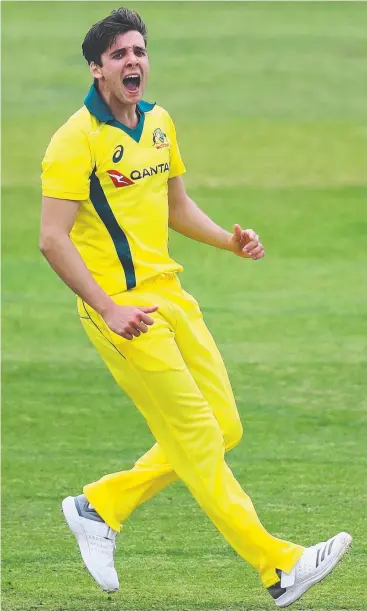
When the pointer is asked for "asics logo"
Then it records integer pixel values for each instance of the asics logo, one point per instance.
(117, 155)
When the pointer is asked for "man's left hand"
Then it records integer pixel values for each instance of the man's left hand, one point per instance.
(245, 243)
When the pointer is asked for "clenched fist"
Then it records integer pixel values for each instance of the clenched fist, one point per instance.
(245, 243)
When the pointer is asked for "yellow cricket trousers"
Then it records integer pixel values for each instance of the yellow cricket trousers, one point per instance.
(176, 377)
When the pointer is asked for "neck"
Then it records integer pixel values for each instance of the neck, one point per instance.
(125, 113)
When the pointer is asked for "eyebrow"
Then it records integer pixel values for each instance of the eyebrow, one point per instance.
(135, 47)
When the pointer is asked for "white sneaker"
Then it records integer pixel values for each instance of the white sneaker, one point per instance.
(315, 563)
(96, 541)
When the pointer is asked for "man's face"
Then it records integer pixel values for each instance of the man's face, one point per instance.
(125, 68)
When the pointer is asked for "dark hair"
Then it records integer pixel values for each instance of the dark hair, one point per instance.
(103, 34)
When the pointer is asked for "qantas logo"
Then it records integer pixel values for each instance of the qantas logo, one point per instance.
(152, 171)
(119, 180)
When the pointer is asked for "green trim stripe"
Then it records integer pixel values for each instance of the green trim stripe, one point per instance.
(134, 132)
(118, 236)
(98, 108)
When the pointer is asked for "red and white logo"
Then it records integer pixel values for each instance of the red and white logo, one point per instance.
(118, 179)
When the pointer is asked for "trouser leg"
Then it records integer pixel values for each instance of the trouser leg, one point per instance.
(156, 377)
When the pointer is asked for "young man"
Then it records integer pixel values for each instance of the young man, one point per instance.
(111, 188)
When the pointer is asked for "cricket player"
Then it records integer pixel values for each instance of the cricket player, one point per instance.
(112, 186)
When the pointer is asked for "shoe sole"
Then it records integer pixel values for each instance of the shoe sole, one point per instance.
(302, 588)
(73, 520)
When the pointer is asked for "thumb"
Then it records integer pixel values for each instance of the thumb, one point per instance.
(149, 309)
(237, 231)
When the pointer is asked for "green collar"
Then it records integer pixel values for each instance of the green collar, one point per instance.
(98, 108)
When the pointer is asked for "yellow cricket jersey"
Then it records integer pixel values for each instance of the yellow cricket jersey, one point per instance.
(120, 176)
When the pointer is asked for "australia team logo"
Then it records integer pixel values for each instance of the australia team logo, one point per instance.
(160, 139)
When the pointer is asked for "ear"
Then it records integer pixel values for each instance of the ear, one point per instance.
(96, 70)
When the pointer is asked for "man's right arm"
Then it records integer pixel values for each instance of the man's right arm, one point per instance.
(57, 220)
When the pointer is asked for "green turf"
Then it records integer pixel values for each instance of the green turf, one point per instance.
(270, 105)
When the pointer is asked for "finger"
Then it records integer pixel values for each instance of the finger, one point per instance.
(146, 319)
(149, 309)
(246, 238)
(135, 332)
(259, 255)
(140, 326)
(250, 246)
(126, 335)
(256, 251)
(251, 234)
(249, 243)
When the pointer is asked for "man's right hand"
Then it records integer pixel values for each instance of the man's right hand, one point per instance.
(128, 321)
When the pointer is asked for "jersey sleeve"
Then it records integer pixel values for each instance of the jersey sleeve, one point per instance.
(176, 166)
(67, 165)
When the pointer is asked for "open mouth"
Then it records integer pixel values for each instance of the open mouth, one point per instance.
(132, 82)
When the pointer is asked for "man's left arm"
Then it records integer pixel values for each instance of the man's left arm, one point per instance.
(186, 218)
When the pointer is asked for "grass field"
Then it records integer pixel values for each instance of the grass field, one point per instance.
(269, 102)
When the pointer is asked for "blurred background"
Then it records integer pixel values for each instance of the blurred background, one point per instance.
(269, 101)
